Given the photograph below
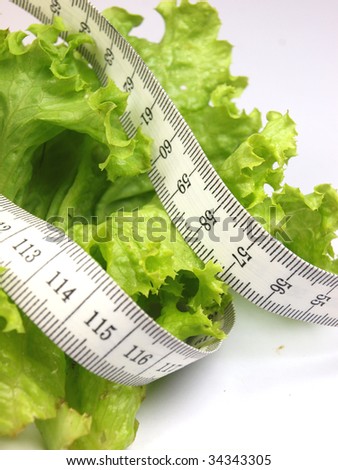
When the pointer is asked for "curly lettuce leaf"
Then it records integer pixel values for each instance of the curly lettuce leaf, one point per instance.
(306, 224)
(193, 66)
(148, 258)
(190, 301)
(202, 50)
(312, 223)
(260, 160)
(48, 88)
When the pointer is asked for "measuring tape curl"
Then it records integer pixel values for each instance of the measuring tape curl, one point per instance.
(256, 265)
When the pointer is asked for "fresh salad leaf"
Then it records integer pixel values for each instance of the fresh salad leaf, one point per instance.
(260, 160)
(32, 371)
(47, 89)
(312, 223)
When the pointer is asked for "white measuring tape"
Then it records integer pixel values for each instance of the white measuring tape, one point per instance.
(130, 347)
(79, 307)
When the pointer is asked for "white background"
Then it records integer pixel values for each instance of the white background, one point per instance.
(273, 386)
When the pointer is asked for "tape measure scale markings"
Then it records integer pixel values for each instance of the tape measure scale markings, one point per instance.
(289, 287)
(104, 330)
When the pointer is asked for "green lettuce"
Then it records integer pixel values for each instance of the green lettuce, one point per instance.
(32, 373)
(73, 163)
(313, 224)
(51, 101)
(65, 157)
